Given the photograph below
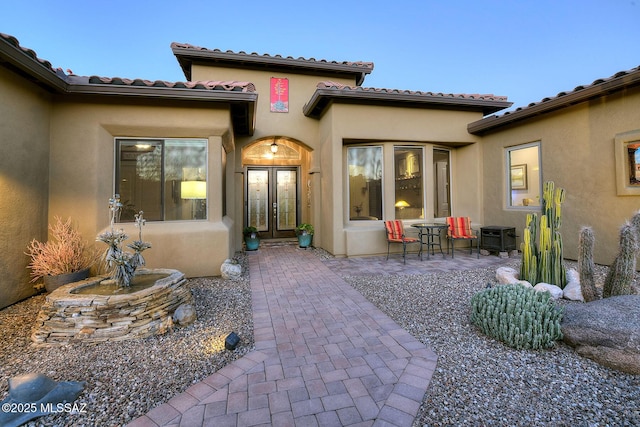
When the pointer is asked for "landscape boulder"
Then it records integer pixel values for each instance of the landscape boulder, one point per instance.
(555, 291)
(184, 315)
(572, 290)
(606, 331)
(231, 270)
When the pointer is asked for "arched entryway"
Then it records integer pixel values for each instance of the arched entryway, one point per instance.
(274, 196)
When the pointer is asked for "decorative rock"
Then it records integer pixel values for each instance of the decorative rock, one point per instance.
(524, 283)
(555, 291)
(606, 331)
(231, 270)
(507, 275)
(572, 291)
(184, 315)
(503, 254)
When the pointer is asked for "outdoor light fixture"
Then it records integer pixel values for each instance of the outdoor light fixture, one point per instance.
(274, 147)
(232, 341)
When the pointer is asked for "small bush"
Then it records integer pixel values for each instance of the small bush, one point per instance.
(65, 252)
(518, 316)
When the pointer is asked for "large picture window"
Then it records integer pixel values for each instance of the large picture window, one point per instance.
(409, 199)
(165, 178)
(364, 166)
(523, 175)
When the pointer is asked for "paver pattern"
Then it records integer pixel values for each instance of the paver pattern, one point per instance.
(324, 356)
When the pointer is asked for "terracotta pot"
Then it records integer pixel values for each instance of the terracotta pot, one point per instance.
(51, 283)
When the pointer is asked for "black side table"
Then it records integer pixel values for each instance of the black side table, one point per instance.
(430, 236)
(498, 238)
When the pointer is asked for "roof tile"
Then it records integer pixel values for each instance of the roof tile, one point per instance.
(476, 96)
(359, 64)
(204, 85)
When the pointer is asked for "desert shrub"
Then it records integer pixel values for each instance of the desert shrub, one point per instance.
(65, 252)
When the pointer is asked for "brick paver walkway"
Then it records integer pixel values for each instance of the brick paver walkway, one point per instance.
(324, 356)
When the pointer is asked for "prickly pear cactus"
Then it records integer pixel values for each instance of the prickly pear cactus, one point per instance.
(520, 317)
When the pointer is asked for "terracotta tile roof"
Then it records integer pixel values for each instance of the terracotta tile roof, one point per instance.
(187, 54)
(31, 57)
(28, 52)
(328, 92)
(488, 97)
(600, 87)
(234, 86)
(240, 96)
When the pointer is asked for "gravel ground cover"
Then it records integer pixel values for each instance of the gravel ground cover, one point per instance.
(127, 379)
(478, 381)
(481, 382)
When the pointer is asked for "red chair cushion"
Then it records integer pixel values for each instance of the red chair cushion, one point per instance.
(460, 228)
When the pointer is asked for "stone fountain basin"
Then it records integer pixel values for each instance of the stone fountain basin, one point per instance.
(67, 317)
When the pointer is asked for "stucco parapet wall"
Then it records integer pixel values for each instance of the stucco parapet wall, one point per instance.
(187, 54)
(599, 88)
(328, 92)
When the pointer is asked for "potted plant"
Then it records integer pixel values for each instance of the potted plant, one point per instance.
(64, 258)
(304, 232)
(251, 238)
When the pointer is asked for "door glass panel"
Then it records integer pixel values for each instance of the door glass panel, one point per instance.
(258, 199)
(286, 195)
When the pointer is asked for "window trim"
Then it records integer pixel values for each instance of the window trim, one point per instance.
(622, 172)
(162, 142)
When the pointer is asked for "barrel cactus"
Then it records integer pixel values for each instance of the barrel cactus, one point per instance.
(518, 316)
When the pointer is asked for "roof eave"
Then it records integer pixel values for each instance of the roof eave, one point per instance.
(29, 67)
(488, 124)
(242, 104)
(322, 98)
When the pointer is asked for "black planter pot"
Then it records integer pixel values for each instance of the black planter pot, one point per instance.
(51, 283)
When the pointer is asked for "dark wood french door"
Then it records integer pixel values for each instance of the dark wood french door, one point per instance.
(271, 200)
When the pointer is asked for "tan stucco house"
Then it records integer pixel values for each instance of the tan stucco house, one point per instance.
(274, 141)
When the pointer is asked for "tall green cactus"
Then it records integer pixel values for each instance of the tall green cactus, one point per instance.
(621, 272)
(586, 266)
(547, 255)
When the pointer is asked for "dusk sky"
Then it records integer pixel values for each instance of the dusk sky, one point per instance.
(526, 50)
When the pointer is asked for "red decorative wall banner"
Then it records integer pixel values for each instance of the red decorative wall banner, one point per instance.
(279, 95)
